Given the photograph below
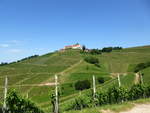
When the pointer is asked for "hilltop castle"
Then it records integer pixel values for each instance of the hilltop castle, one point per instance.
(76, 46)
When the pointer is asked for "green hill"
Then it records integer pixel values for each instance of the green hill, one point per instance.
(25, 76)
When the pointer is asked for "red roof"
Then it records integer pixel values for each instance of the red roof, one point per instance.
(72, 46)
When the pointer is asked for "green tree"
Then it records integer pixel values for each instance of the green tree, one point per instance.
(83, 47)
(107, 49)
(81, 85)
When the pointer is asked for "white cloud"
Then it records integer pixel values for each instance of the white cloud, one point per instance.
(4, 45)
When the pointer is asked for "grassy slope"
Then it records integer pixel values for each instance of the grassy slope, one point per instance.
(71, 67)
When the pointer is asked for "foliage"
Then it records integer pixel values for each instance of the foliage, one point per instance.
(99, 51)
(30, 57)
(109, 49)
(44, 67)
(81, 85)
(141, 66)
(81, 102)
(83, 47)
(101, 98)
(111, 96)
(53, 99)
(1, 107)
(3, 63)
(117, 48)
(147, 92)
(92, 60)
(117, 95)
(138, 91)
(17, 104)
(95, 51)
(101, 80)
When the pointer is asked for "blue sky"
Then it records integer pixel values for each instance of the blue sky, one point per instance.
(29, 27)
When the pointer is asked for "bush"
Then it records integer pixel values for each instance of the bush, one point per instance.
(137, 91)
(81, 85)
(83, 47)
(141, 66)
(92, 60)
(117, 94)
(102, 97)
(30, 57)
(101, 80)
(17, 104)
(1, 110)
(107, 49)
(147, 92)
(95, 51)
(3, 63)
(82, 102)
(117, 48)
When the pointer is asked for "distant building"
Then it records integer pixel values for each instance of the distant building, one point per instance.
(76, 46)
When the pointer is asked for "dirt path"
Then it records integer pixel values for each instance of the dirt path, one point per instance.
(71, 67)
(143, 108)
(64, 73)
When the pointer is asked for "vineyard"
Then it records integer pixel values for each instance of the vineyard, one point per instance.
(34, 82)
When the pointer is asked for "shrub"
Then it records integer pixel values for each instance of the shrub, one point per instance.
(17, 104)
(101, 80)
(117, 48)
(137, 91)
(30, 57)
(112, 95)
(141, 66)
(147, 91)
(83, 47)
(96, 51)
(92, 60)
(82, 102)
(3, 63)
(107, 49)
(102, 97)
(81, 85)
(123, 94)
(1, 110)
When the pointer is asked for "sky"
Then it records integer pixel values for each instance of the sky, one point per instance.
(29, 27)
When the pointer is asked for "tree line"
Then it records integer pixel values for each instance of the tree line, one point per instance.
(99, 51)
(30, 57)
